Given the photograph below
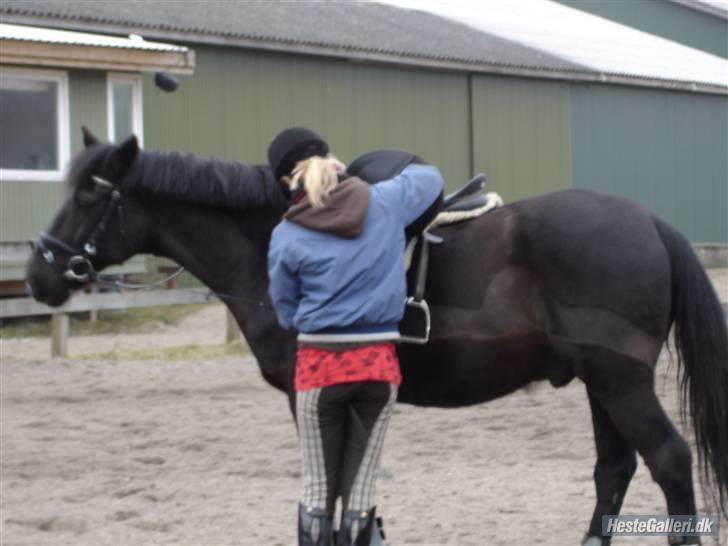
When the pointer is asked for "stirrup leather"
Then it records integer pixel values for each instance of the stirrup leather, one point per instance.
(415, 324)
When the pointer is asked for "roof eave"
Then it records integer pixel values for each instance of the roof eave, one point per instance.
(24, 52)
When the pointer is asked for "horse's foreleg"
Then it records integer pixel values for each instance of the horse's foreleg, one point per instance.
(616, 464)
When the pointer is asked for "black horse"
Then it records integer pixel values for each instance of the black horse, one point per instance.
(565, 285)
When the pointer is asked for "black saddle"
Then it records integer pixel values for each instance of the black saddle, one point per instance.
(385, 163)
(379, 165)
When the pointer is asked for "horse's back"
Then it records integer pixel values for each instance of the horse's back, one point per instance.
(576, 265)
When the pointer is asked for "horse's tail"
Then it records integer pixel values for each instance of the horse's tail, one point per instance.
(701, 338)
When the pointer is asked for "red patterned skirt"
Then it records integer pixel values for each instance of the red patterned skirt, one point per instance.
(317, 367)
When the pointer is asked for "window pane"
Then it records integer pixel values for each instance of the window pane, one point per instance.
(122, 97)
(28, 124)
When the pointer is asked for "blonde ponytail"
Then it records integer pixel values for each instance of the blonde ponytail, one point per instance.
(319, 178)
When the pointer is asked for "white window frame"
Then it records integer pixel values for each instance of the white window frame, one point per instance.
(63, 144)
(137, 106)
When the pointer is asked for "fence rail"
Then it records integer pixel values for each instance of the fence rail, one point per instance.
(25, 307)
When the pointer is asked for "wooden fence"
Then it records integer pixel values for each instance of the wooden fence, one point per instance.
(25, 307)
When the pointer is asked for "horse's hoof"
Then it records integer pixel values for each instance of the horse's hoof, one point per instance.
(593, 541)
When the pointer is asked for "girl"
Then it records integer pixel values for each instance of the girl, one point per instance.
(336, 268)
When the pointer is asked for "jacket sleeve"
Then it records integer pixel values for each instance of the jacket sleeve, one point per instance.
(412, 191)
(284, 287)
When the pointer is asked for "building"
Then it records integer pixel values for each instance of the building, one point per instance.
(469, 97)
(52, 81)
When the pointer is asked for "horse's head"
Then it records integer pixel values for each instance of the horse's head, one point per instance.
(98, 224)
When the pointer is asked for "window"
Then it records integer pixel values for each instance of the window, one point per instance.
(125, 107)
(34, 127)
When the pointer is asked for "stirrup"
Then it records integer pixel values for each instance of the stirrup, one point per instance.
(415, 324)
(315, 527)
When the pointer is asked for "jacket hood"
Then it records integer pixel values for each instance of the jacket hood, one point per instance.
(344, 211)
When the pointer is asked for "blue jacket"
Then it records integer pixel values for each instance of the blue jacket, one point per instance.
(351, 288)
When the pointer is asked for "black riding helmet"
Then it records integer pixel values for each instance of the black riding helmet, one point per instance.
(293, 145)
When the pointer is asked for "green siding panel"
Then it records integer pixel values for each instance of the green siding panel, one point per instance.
(663, 18)
(26, 208)
(521, 135)
(665, 150)
(87, 96)
(238, 100)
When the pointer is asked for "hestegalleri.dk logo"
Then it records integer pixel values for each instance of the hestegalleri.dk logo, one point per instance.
(660, 525)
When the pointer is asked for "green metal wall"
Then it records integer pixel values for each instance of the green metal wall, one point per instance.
(521, 135)
(238, 100)
(663, 18)
(666, 150)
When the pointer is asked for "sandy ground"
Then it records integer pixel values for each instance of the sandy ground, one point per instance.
(205, 453)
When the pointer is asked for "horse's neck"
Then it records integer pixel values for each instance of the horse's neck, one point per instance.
(228, 254)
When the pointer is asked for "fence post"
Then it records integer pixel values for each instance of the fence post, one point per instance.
(94, 314)
(59, 335)
(232, 330)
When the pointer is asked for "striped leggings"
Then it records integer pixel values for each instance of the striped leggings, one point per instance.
(342, 430)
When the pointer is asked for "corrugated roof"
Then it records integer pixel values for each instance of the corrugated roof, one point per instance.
(350, 29)
(51, 36)
(325, 27)
(610, 48)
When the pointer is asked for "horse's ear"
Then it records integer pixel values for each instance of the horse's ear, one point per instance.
(89, 139)
(128, 150)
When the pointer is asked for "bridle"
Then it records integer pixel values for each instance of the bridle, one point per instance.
(79, 267)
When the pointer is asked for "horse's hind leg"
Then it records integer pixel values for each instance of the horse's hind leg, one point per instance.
(627, 393)
(616, 463)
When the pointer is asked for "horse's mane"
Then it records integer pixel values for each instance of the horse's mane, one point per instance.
(186, 177)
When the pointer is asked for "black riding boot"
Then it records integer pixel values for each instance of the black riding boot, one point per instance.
(356, 527)
(314, 527)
